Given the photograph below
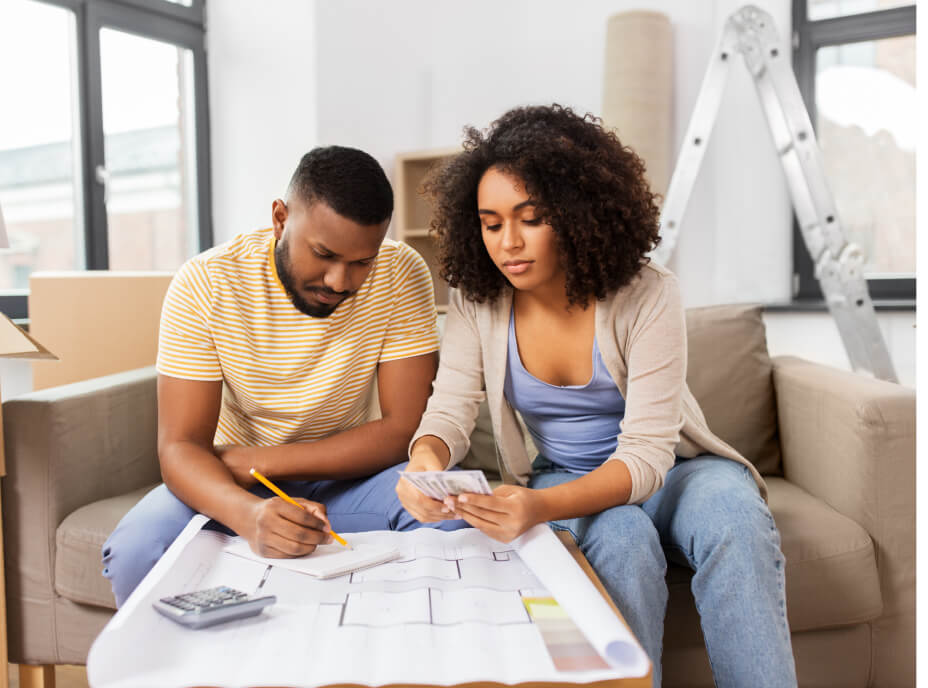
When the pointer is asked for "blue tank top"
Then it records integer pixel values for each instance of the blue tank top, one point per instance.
(574, 426)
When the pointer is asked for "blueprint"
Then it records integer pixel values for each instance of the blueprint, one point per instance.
(453, 608)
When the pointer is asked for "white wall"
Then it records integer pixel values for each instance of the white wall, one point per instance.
(814, 336)
(262, 99)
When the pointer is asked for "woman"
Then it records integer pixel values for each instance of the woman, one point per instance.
(544, 223)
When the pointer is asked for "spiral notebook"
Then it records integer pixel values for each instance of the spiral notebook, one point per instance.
(326, 561)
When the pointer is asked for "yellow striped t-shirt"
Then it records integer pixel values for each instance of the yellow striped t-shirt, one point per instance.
(290, 377)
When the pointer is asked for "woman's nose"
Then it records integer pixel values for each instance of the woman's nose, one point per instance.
(511, 238)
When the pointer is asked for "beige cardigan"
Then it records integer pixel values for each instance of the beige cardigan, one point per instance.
(641, 333)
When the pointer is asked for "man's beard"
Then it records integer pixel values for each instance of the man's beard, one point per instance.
(285, 274)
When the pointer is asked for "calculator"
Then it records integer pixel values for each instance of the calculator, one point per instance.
(204, 608)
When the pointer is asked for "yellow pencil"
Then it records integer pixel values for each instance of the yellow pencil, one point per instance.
(284, 496)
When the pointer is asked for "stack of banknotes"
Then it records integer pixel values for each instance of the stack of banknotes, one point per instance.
(440, 484)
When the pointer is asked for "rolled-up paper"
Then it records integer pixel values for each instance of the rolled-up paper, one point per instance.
(557, 571)
(638, 89)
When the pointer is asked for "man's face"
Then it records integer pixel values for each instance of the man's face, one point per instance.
(322, 258)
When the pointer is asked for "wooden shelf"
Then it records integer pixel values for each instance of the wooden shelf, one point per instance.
(413, 212)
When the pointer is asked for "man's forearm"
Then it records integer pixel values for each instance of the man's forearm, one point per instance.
(360, 451)
(202, 482)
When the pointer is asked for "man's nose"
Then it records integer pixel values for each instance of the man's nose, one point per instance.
(337, 279)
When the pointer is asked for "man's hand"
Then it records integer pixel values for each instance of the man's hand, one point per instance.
(504, 515)
(279, 530)
(422, 507)
(239, 460)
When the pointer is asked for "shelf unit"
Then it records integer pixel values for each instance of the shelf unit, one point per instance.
(413, 213)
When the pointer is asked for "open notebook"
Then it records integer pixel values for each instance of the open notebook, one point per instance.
(327, 561)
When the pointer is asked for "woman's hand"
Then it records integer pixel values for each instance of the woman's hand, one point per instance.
(429, 453)
(239, 460)
(504, 515)
(422, 507)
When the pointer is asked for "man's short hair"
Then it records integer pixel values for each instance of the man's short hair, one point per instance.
(348, 180)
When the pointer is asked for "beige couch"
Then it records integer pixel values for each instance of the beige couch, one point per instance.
(838, 451)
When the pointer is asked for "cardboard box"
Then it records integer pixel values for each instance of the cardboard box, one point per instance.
(14, 343)
(99, 322)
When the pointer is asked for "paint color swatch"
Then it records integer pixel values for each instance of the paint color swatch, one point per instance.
(565, 642)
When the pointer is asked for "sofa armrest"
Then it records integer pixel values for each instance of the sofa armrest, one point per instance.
(66, 447)
(850, 441)
(75, 444)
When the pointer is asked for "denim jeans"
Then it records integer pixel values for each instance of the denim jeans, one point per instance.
(150, 527)
(709, 516)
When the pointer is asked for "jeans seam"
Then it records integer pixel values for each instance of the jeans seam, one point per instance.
(556, 526)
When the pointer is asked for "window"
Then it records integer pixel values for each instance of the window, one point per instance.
(855, 63)
(104, 164)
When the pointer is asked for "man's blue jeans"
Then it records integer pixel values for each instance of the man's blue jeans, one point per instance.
(144, 533)
(709, 516)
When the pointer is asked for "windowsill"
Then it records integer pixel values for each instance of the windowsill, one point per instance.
(818, 306)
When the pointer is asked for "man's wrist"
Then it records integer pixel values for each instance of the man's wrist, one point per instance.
(238, 509)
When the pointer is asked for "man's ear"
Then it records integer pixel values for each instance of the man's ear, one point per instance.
(279, 214)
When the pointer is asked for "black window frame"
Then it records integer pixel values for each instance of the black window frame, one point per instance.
(155, 19)
(808, 37)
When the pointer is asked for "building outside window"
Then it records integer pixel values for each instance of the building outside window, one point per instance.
(855, 63)
(104, 159)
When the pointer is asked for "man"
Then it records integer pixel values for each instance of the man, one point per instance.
(268, 348)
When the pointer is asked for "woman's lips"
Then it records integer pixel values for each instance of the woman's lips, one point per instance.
(517, 267)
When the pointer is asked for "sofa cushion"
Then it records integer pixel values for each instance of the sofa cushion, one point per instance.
(731, 376)
(831, 574)
(79, 540)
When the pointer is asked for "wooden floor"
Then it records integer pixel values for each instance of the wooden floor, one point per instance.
(66, 676)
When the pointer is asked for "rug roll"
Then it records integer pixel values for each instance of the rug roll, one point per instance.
(638, 89)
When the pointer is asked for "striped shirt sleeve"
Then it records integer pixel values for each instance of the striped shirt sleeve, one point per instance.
(185, 343)
(413, 328)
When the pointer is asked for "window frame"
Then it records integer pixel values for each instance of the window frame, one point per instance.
(808, 37)
(154, 19)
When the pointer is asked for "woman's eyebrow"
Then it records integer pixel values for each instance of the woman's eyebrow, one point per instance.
(518, 206)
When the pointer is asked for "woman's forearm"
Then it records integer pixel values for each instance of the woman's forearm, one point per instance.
(607, 486)
(429, 453)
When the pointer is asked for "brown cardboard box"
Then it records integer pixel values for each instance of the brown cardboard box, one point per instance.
(99, 322)
(14, 343)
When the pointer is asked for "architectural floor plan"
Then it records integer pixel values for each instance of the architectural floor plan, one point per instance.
(453, 608)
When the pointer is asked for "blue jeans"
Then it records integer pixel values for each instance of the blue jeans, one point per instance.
(709, 516)
(150, 527)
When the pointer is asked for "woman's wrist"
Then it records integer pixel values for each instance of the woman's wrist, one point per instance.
(429, 453)
(423, 461)
(541, 506)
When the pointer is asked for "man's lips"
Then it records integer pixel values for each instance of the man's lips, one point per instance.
(329, 298)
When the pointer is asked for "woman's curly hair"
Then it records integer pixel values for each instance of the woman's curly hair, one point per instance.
(588, 186)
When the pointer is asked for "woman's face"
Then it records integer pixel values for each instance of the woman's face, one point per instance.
(522, 246)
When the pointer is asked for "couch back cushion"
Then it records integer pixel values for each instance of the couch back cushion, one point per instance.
(730, 373)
